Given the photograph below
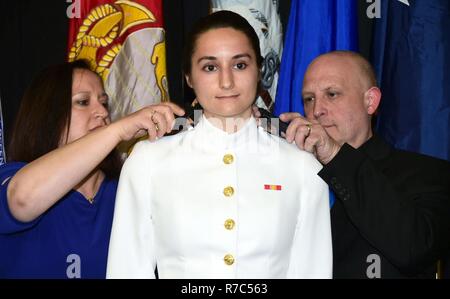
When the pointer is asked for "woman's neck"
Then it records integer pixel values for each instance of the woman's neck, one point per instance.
(91, 184)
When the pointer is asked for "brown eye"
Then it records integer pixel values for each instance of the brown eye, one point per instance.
(209, 68)
(332, 94)
(307, 99)
(241, 66)
(82, 102)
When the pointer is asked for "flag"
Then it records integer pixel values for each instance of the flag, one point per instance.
(411, 56)
(2, 145)
(264, 18)
(124, 41)
(314, 28)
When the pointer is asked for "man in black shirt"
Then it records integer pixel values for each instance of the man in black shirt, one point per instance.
(391, 218)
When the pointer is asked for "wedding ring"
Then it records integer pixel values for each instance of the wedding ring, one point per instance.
(309, 126)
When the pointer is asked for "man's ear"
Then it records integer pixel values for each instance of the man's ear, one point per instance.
(372, 98)
(188, 80)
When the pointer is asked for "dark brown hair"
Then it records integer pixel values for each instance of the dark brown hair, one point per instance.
(44, 117)
(220, 19)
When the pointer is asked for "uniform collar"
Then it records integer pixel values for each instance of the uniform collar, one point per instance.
(207, 136)
(376, 148)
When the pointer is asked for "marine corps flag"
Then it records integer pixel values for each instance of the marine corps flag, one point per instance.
(124, 41)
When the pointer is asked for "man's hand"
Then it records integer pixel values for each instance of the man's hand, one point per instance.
(310, 137)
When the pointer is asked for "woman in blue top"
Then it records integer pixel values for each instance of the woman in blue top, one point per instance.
(57, 198)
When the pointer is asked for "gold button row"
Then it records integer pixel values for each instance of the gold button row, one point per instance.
(229, 223)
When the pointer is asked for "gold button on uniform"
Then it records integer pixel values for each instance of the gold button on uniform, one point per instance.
(229, 224)
(228, 259)
(228, 191)
(228, 159)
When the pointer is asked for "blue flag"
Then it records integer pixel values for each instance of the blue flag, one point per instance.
(315, 27)
(411, 55)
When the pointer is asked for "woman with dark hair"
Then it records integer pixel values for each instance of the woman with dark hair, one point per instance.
(58, 192)
(252, 205)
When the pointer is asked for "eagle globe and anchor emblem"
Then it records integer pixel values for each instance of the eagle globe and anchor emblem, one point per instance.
(101, 36)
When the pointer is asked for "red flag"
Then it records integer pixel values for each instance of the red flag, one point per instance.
(124, 42)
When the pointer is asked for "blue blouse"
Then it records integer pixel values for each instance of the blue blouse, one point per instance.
(70, 240)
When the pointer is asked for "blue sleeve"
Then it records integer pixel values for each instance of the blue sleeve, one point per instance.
(9, 224)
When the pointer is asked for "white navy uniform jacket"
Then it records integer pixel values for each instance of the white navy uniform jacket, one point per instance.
(208, 204)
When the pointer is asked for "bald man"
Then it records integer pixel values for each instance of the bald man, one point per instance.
(391, 218)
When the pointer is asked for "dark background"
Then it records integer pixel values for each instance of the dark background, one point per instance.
(33, 34)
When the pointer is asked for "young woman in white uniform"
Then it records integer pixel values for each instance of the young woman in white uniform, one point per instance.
(224, 199)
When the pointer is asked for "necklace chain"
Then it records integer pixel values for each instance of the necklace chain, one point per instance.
(97, 184)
